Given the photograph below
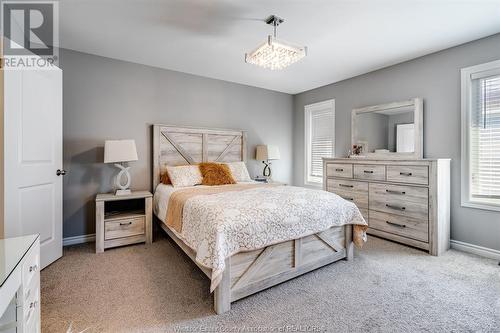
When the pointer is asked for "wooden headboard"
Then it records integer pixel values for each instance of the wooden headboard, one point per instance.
(174, 145)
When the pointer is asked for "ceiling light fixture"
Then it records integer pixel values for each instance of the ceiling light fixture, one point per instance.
(275, 54)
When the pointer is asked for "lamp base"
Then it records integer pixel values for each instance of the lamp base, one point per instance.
(123, 192)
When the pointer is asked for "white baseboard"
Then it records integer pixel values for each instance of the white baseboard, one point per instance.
(475, 249)
(78, 239)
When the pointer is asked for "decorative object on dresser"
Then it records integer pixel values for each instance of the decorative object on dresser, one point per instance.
(120, 152)
(266, 153)
(407, 201)
(388, 131)
(20, 284)
(123, 219)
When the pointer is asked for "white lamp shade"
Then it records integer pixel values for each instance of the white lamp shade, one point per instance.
(267, 152)
(116, 151)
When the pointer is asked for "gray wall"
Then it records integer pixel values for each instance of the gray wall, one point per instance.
(109, 99)
(436, 78)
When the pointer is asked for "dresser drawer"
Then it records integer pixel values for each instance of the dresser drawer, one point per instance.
(412, 174)
(32, 314)
(409, 201)
(31, 266)
(339, 170)
(124, 228)
(342, 184)
(8, 318)
(359, 198)
(399, 225)
(31, 304)
(369, 172)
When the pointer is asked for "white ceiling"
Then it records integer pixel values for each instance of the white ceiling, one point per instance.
(345, 38)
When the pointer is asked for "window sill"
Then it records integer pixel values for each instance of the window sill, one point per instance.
(313, 184)
(482, 205)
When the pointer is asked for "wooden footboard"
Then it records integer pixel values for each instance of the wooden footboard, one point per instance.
(250, 272)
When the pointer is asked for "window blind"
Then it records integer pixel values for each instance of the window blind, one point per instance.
(484, 137)
(322, 139)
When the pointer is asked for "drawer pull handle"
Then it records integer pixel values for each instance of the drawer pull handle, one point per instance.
(368, 171)
(405, 173)
(395, 207)
(395, 192)
(339, 170)
(396, 224)
(347, 198)
(33, 268)
(344, 185)
(126, 223)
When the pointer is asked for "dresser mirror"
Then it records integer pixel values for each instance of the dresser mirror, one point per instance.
(388, 131)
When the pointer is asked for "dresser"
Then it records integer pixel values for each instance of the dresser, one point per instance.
(407, 201)
(20, 285)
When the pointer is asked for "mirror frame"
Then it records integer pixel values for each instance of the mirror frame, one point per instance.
(418, 106)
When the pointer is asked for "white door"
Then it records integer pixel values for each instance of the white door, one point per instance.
(33, 156)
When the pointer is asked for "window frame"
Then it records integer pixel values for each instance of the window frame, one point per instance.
(490, 68)
(328, 104)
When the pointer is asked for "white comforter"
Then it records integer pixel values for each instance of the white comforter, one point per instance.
(219, 225)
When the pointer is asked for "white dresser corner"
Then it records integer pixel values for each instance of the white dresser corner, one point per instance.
(20, 287)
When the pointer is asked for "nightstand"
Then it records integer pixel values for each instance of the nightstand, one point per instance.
(123, 219)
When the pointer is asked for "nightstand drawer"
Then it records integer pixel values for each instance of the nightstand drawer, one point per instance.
(124, 228)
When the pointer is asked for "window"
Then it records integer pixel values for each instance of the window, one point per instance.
(319, 139)
(481, 136)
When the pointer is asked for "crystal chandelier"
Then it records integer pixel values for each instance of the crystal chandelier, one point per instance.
(275, 54)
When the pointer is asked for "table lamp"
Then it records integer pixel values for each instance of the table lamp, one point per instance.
(120, 152)
(266, 153)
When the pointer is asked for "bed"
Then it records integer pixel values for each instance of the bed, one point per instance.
(238, 266)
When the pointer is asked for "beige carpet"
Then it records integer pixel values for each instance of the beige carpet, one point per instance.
(387, 288)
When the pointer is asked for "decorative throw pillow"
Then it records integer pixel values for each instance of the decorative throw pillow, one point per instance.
(165, 179)
(239, 171)
(184, 175)
(216, 174)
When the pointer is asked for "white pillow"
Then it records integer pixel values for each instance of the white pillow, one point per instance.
(239, 171)
(184, 175)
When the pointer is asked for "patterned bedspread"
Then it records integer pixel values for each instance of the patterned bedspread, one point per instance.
(219, 225)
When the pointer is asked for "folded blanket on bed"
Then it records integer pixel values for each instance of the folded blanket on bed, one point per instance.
(216, 222)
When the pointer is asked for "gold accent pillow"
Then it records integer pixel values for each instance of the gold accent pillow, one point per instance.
(164, 179)
(216, 174)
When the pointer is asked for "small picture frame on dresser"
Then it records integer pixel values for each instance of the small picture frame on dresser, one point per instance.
(123, 219)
